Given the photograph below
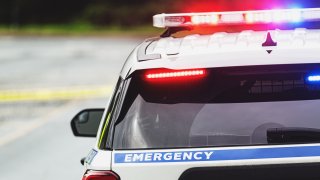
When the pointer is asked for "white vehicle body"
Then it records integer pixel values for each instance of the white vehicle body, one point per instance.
(299, 46)
(217, 50)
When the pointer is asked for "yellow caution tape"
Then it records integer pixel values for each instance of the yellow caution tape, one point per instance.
(54, 94)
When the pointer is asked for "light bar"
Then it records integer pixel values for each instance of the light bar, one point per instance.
(171, 74)
(237, 17)
(313, 78)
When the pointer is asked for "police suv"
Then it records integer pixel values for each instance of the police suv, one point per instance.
(203, 102)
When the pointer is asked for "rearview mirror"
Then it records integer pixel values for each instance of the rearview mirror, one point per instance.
(86, 122)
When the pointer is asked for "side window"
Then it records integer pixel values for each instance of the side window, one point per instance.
(103, 140)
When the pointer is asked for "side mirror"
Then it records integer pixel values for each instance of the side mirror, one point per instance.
(82, 161)
(86, 122)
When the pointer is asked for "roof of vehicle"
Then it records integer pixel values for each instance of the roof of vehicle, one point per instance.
(226, 49)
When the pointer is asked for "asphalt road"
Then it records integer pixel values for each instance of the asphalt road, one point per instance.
(36, 142)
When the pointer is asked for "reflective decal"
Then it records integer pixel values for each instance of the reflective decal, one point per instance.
(217, 155)
(91, 156)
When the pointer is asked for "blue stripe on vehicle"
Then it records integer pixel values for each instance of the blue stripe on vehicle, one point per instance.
(217, 155)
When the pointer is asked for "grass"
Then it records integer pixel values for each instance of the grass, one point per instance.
(78, 30)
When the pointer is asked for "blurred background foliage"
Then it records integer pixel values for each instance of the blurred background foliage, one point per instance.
(97, 12)
(86, 14)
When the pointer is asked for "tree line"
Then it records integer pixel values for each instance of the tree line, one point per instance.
(121, 12)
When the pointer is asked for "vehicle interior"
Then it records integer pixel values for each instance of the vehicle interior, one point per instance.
(232, 106)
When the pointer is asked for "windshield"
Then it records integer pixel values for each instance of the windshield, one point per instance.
(228, 107)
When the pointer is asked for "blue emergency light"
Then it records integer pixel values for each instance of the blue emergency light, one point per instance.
(313, 78)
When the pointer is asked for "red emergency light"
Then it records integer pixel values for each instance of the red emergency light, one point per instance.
(175, 74)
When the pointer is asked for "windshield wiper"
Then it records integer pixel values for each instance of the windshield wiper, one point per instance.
(293, 135)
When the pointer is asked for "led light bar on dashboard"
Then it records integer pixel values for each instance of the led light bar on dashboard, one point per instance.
(313, 78)
(237, 17)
